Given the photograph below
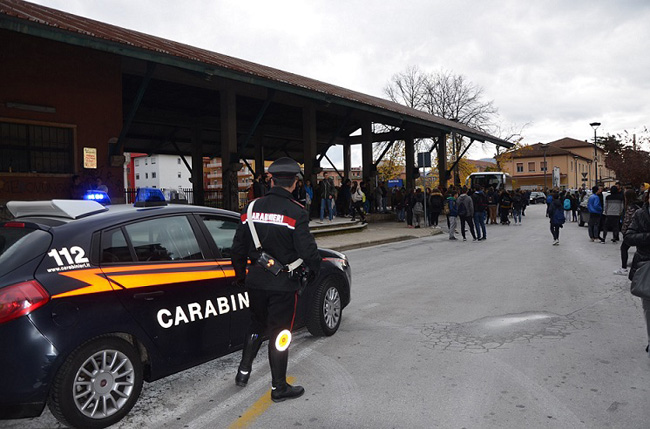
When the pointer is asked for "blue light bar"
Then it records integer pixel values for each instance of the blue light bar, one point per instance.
(149, 197)
(99, 196)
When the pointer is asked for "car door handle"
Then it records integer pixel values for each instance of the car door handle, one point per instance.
(149, 296)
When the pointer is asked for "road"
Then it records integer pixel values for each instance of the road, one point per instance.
(512, 332)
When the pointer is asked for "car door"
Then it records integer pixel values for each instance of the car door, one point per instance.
(158, 267)
(221, 230)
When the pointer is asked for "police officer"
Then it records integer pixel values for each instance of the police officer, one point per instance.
(282, 226)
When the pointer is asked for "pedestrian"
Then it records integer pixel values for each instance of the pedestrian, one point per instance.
(614, 206)
(526, 197)
(326, 196)
(398, 201)
(493, 198)
(631, 206)
(418, 208)
(505, 205)
(517, 206)
(638, 234)
(556, 217)
(309, 197)
(453, 212)
(436, 203)
(99, 186)
(408, 206)
(358, 198)
(595, 209)
(566, 205)
(480, 201)
(344, 198)
(77, 189)
(466, 214)
(273, 294)
(575, 203)
(259, 188)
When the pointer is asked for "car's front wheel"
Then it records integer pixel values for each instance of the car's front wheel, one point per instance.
(326, 308)
(97, 385)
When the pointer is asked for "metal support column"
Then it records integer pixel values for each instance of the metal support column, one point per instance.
(366, 150)
(198, 196)
(409, 146)
(229, 157)
(311, 164)
(347, 159)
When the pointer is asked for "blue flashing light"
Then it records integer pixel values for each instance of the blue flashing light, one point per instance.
(149, 197)
(99, 196)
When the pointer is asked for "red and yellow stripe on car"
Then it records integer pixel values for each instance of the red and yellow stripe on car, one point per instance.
(141, 276)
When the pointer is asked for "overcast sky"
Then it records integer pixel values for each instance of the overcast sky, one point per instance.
(554, 66)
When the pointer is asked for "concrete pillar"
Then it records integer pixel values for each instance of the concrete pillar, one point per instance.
(229, 161)
(198, 195)
(442, 159)
(409, 146)
(309, 143)
(366, 150)
(347, 159)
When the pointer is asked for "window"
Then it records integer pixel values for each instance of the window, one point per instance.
(146, 161)
(137, 162)
(542, 166)
(137, 176)
(178, 161)
(153, 160)
(531, 167)
(179, 174)
(36, 148)
(520, 167)
(115, 247)
(222, 232)
(153, 175)
(146, 175)
(164, 239)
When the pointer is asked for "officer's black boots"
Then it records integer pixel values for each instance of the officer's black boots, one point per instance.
(281, 390)
(252, 345)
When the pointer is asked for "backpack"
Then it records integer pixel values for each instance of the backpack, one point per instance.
(567, 204)
(558, 217)
(462, 210)
(445, 208)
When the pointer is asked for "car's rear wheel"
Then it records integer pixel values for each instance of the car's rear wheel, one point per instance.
(97, 385)
(326, 310)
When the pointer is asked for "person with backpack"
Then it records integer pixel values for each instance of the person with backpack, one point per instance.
(466, 214)
(517, 206)
(505, 204)
(418, 208)
(452, 206)
(493, 198)
(574, 207)
(480, 206)
(556, 216)
(614, 206)
(358, 197)
(632, 204)
(566, 205)
(436, 203)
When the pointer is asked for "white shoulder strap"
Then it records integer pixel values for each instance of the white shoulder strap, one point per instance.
(249, 219)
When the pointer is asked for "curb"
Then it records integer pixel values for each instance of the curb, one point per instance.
(372, 243)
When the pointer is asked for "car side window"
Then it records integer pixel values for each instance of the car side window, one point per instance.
(222, 232)
(164, 239)
(114, 247)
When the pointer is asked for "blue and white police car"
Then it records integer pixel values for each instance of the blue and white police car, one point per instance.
(95, 299)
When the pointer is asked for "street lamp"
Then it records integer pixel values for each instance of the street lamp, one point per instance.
(595, 126)
(575, 166)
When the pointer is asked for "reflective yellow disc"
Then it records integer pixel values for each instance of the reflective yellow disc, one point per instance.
(283, 340)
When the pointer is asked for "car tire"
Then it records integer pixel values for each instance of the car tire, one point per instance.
(326, 308)
(87, 394)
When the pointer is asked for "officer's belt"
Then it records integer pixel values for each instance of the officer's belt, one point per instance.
(258, 245)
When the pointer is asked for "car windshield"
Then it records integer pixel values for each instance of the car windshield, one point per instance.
(19, 245)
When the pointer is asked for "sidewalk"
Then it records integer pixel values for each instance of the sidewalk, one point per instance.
(375, 233)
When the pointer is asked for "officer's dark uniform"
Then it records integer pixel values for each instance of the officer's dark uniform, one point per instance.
(283, 229)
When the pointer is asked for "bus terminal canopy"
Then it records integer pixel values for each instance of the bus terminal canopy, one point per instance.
(180, 99)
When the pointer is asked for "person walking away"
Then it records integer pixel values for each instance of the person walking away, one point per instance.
(466, 214)
(492, 205)
(309, 197)
(631, 206)
(566, 205)
(326, 195)
(517, 205)
(614, 206)
(436, 202)
(505, 204)
(453, 213)
(480, 201)
(638, 234)
(408, 205)
(526, 200)
(595, 212)
(556, 217)
(357, 196)
(575, 203)
(418, 208)
(273, 294)
(398, 200)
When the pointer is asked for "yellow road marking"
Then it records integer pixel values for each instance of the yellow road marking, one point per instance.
(255, 410)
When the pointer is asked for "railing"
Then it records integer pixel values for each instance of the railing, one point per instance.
(212, 197)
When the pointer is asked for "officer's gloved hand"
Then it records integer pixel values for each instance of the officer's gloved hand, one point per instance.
(239, 283)
(311, 275)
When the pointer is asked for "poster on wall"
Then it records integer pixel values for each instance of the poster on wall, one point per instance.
(90, 157)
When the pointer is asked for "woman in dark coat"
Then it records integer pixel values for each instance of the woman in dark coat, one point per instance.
(638, 234)
(556, 216)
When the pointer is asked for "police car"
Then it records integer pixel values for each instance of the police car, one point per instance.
(96, 298)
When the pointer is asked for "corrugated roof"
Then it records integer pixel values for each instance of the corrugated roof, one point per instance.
(130, 42)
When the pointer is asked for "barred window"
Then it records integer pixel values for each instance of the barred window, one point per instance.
(28, 148)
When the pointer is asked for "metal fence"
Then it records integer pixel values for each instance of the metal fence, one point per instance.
(212, 197)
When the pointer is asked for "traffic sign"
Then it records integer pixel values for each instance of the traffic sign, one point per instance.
(584, 175)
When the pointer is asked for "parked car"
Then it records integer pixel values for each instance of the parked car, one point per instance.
(95, 299)
(537, 197)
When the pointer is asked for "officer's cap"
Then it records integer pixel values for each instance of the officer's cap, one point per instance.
(284, 167)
